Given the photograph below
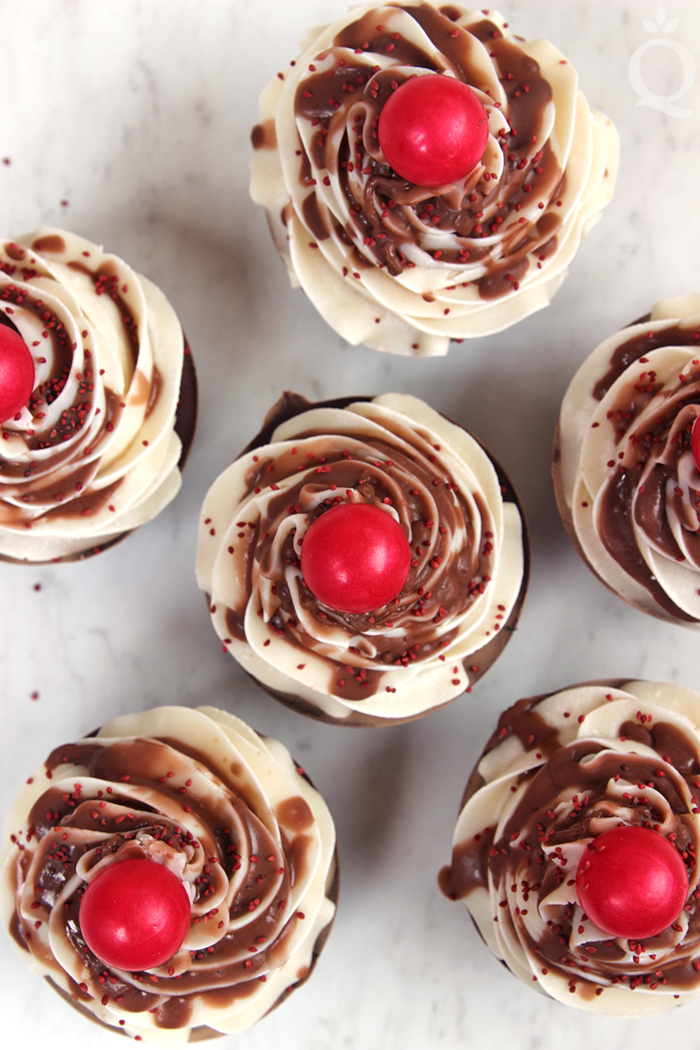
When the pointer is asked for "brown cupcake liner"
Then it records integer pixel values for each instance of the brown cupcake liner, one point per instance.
(291, 405)
(203, 1033)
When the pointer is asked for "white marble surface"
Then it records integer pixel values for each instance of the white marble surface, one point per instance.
(129, 123)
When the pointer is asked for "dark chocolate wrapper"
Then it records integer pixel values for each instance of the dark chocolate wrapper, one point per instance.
(291, 405)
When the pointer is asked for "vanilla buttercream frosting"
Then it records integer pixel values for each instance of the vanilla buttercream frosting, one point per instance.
(405, 268)
(558, 771)
(226, 810)
(94, 453)
(626, 480)
(468, 570)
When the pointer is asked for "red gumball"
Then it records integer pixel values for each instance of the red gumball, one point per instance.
(695, 442)
(632, 883)
(355, 558)
(16, 373)
(135, 914)
(433, 130)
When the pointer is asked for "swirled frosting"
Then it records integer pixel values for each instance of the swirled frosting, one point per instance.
(627, 484)
(405, 268)
(224, 809)
(460, 600)
(94, 453)
(557, 772)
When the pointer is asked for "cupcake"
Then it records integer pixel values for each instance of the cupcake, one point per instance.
(98, 398)
(427, 174)
(575, 849)
(364, 560)
(627, 462)
(173, 876)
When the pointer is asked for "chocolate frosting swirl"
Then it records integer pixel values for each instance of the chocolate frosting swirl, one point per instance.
(629, 487)
(224, 809)
(403, 267)
(94, 453)
(466, 576)
(557, 772)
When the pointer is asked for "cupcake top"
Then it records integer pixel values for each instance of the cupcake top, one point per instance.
(626, 475)
(405, 261)
(93, 452)
(466, 567)
(559, 774)
(224, 810)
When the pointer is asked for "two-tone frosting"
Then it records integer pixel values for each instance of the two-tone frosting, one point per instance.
(627, 482)
(557, 772)
(94, 452)
(464, 588)
(405, 268)
(229, 813)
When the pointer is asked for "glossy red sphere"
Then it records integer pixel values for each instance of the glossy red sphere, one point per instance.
(695, 442)
(135, 914)
(632, 883)
(433, 130)
(16, 373)
(355, 558)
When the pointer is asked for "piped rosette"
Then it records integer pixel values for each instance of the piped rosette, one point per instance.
(230, 817)
(404, 266)
(466, 574)
(94, 452)
(626, 476)
(562, 776)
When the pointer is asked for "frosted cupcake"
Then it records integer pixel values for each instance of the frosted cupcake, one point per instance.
(627, 462)
(172, 876)
(98, 398)
(575, 850)
(365, 560)
(427, 174)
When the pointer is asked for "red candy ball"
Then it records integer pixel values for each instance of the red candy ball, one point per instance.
(135, 914)
(433, 130)
(16, 373)
(695, 442)
(633, 883)
(355, 558)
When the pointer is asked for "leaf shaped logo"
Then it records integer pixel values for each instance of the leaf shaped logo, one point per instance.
(649, 25)
(670, 26)
(661, 15)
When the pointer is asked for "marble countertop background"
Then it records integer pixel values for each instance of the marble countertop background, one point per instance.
(129, 123)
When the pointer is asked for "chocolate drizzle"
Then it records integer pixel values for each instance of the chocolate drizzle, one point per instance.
(50, 468)
(639, 345)
(652, 426)
(263, 136)
(140, 797)
(572, 792)
(489, 230)
(451, 535)
(617, 533)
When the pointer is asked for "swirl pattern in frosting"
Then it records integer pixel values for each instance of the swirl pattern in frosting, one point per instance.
(557, 772)
(405, 268)
(463, 593)
(94, 453)
(627, 484)
(229, 813)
